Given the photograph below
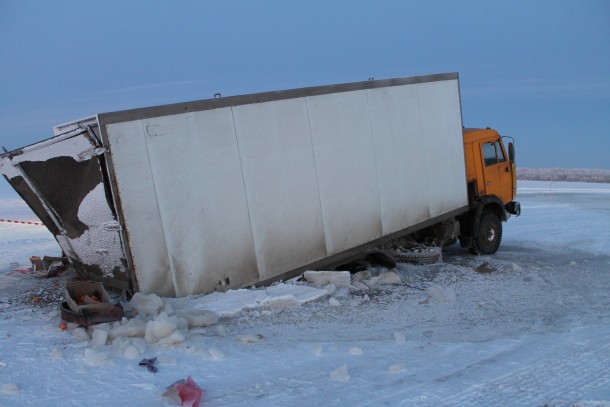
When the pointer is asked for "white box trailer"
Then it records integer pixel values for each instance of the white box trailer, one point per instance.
(229, 192)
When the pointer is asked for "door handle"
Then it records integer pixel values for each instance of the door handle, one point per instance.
(488, 183)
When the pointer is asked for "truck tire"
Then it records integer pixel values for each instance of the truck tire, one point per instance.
(489, 234)
(423, 255)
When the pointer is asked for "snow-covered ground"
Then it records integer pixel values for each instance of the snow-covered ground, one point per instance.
(529, 325)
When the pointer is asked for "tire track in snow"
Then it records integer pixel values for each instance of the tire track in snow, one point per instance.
(569, 377)
(570, 374)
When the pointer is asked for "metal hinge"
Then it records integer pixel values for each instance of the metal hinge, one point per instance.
(93, 152)
(112, 226)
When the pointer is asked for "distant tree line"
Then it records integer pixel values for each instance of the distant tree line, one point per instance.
(564, 174)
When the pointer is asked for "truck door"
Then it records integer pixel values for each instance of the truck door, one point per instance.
(496, 171)
(63, 180)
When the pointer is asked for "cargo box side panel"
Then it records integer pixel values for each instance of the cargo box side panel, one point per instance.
(444, 146)
(345, 163)
(142, 220)
(281, 185)
(199, 188)
(401, 162)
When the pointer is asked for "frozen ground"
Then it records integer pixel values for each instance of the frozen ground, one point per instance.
(527, 326)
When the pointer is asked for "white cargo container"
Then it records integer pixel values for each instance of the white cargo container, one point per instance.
(223, 193)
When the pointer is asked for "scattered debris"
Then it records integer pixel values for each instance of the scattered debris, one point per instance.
(87, 303)
(48, 265)
(150, 364)
(485, 268)
(185, 391)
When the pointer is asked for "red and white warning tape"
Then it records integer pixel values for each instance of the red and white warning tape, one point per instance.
(23, 222)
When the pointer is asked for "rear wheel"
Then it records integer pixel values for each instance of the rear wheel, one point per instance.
(489, 234)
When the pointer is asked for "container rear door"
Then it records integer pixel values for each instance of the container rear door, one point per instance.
(63, 180)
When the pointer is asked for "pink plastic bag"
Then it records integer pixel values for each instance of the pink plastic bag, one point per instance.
(186, 392)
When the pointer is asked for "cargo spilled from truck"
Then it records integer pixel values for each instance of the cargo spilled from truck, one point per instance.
(224, 193)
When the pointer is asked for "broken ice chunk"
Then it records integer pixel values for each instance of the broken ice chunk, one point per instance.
(94, 356)
(399, 338)
(161, 327)
(146, 305)
(389, 278)
(396, 368)
(323, 278)
(10, 388)
(442, 295)
(249, 338)
(340, 374)
(198, 318)
(99, 337)
(283, 302)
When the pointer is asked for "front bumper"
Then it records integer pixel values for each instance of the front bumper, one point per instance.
(514, 208)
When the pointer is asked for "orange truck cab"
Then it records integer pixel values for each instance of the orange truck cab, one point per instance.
(492, 187)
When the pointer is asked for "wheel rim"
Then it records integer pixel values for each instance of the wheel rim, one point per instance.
(491, 233)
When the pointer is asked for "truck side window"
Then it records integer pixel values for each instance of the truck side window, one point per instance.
(489, 154)
(501, 157)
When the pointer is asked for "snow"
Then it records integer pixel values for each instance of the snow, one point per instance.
(440, 294)
(529, 325)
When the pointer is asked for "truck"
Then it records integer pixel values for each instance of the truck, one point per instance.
(230, 192)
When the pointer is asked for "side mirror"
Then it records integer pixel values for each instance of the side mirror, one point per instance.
(511, 152)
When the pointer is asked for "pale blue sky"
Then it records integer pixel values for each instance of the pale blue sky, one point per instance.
(535, 70)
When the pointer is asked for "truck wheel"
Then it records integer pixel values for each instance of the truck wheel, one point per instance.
(489, 234)
(422, 255)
